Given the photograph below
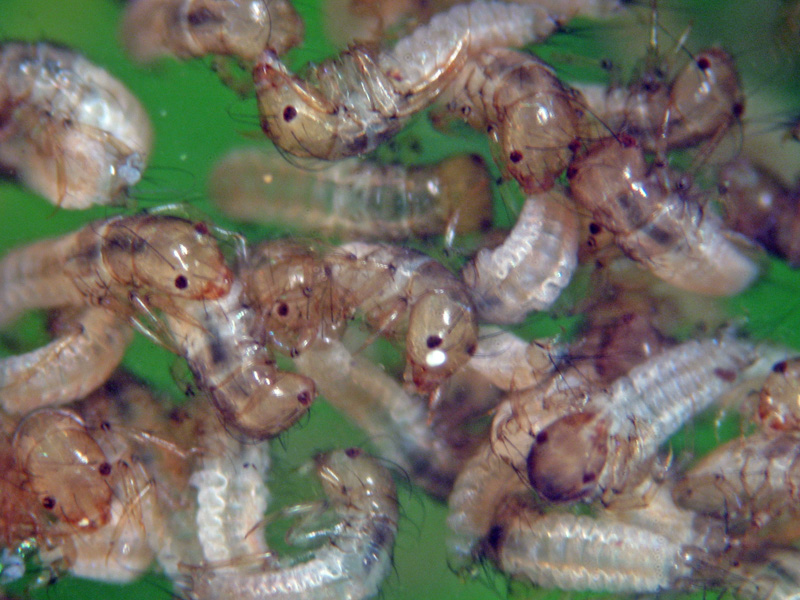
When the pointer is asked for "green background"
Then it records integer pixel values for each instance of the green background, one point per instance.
(196, 120)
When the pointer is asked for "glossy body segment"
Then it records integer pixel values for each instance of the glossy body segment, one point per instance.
(664, 230)
(70, 131)
(252, 396)
(83, 354)
(533, 118)
(354, 199)
(348, 106)
(191, 28)
(355, 557)
(532, 266)
(620, 430)
(152, 258)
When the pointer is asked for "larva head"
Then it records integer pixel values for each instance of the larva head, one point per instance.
(705, 99)
(65, 467)
(442, 336)
(356, 479)
(275, 402)
(779, 401)
(241, 28)
(567, 457)
(295, 116)
(166, 255)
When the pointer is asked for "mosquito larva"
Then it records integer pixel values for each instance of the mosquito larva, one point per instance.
(354, 199)
(348, 106)
(571, 552)
(189, 28)
(664, 230)
(533, 118)
(251, 394)
(400, 290)
(156, 257)
(619, 431)
(71, 131)
(534, 263)
(748, 481)
(353, 561)
(87, 348)
(395, 420)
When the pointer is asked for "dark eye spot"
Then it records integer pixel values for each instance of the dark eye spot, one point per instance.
(104, 469)
(181, 282)
(541, 437)
(703, 63)
(289, 113)
(283, 309)
(304, 398)
(49, 502)
(780, 367)
(433, 341)
(589, 477)
(471, 349)
(594, 228)
(515, 156)
(199, 17)
(738, 109)
(201, 228)
(353, 452)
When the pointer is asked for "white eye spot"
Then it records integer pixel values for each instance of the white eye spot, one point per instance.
(435, 358)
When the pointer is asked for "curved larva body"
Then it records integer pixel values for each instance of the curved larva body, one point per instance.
(528, 112)
(353, 199)
(619, 431)
(251, 394)
(71, 131)
(399, 289)
(569, 552)
(671, 235)
(745, 481)
(534, 263)
(395, 421)
(155, 258)
(85, 352)
(232, 498)
(352, 563)
(347, 107)
(188, 28)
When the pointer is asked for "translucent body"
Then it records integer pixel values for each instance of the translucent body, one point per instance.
(353, 198)
(188, 28)
(83, 354)
(252, 396)
(156, 258)
(355, 558)
(701, 103)
(70, 131)
(349, 106)
(614, 439)
(396, 421)
(570, 552)
(665, 231)
(528, 112)
(747, 481)
(530, 268)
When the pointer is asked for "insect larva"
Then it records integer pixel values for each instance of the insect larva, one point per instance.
(534, 263)
(348, 106)
(354, 199)
(570, 552)
(662, 229)
(395, 420)
(747, 481)
(188, 28)
(155, 257)
(779, 400)
(355, 558)
(250, 393)
(71, 131)
(87, 348)
(533, 118)
(619, 431)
